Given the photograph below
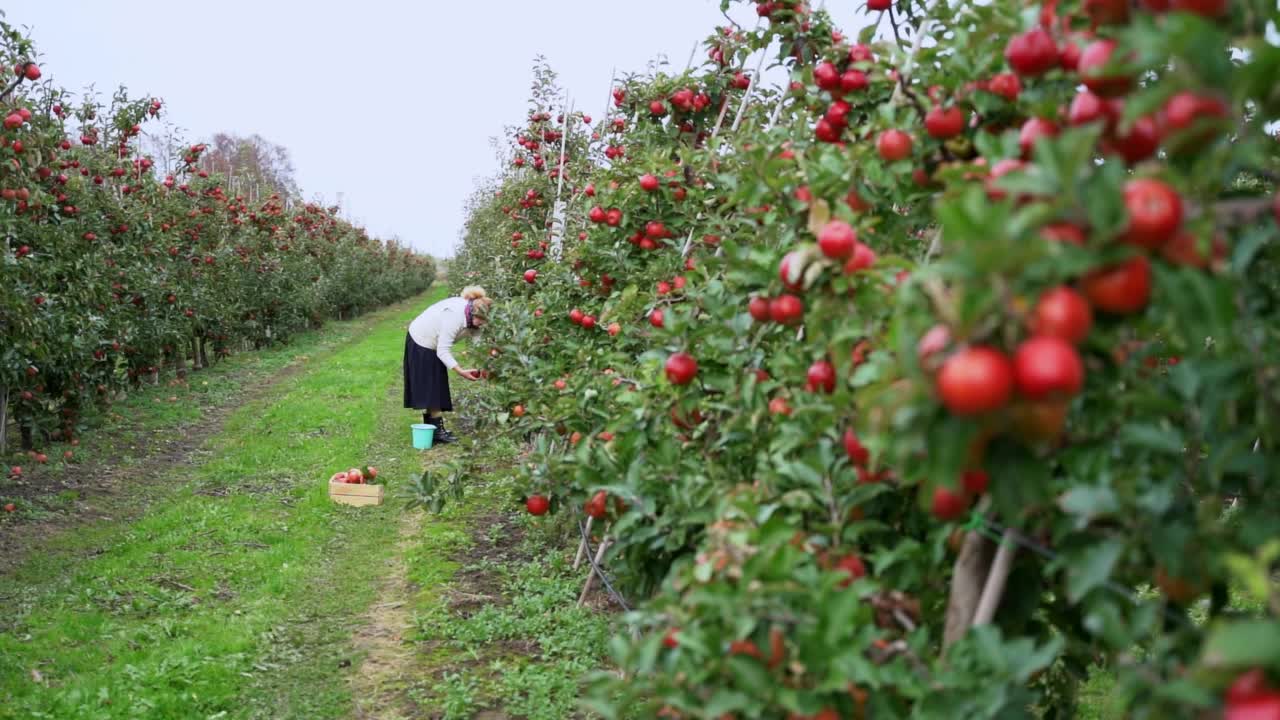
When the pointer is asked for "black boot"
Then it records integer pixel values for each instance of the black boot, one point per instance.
(442, 436)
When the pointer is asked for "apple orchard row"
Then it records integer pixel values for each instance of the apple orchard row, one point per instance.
(1005, 282)
(113, 271)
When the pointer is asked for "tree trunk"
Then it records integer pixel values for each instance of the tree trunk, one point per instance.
(195, 353)
(27, 442)
(204, 352)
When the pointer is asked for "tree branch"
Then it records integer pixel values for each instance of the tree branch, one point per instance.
(731, 20)
(12, 86)
(1235, 212)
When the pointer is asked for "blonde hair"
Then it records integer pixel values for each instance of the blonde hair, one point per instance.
(480, 300)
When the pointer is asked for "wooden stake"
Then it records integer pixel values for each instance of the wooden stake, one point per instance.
(994, 589)
(751, 89)
(966, 587)
(4, 418)
(591, 576)
(582, 544)
(725, 107)
(689, 65)
(608, 101)
(777, 110)
(688, 244)
(566, 110)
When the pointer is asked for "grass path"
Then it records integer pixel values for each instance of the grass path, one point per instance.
(491, 601)
(125, 462)
(233, 594)
(213, 578)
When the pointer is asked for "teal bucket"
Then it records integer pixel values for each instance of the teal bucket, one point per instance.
(423, 435)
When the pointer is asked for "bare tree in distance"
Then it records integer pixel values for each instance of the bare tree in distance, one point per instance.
(253, 165)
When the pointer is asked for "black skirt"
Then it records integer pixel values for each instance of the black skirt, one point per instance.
(426, 379)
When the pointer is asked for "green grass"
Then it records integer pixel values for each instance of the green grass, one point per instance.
(522, 646)
(236, 596)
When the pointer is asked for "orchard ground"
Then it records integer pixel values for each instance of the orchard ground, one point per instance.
(189, 563)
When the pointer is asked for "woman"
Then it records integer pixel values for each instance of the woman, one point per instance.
(428, 355)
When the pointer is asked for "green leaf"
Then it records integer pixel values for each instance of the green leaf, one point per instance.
(1247, 247)
(1252, 576)
(1158, 499)
(1242, 645)
(1089, 502)
(1186, 693)
(1164, 440)
(1089, 568)
(730, 701)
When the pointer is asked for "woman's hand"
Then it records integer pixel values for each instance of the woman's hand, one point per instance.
(469, 374)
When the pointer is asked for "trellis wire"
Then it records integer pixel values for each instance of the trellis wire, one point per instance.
(996, 533)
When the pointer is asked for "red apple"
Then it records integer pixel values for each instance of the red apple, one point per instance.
(974, 482)
(681, 368)
(947, 504)
(1094, 61)
(822, 376)
(1047, 366)
(1155, 212)
(1032, 53)
(786, 309)
(1063, 313)
(758, 307)
(537, 505)
(852, 566)
(1119, 289)
(944, 122)
(893, 145)
(975, 380)
(837, 240)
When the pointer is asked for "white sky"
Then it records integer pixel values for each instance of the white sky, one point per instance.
(391, 102)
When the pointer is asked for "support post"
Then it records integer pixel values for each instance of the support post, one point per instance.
(608, 100)
(4, 419)
(582, 544)
(724, 108)
(999, 574)
(591, 576)
(566, 110)
(967, 579)
(751, 89)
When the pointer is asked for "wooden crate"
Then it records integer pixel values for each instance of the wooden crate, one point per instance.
(358, 495)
